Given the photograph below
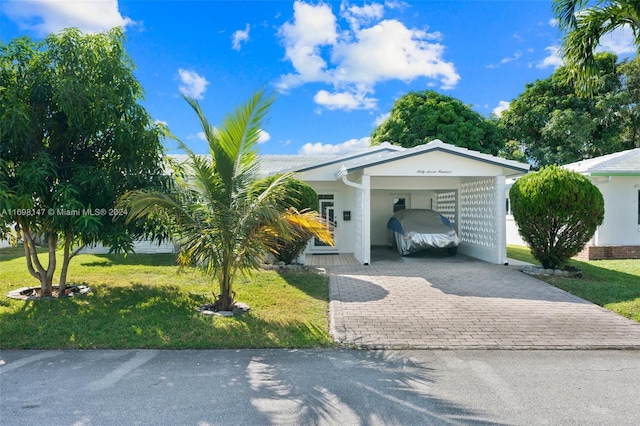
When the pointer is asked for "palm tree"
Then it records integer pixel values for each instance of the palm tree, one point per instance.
(584, 25)
(224, 218)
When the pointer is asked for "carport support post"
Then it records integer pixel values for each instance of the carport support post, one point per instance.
(501, 219)
(366, 219)
(365, 222)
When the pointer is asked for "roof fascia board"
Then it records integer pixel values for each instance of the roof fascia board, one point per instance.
(343, 159)
(629, 173)
(459, 154)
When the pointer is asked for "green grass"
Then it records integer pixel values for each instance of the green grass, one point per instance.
(612, 284)
(142, 301)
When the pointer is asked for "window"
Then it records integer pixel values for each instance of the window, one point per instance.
(399, 204)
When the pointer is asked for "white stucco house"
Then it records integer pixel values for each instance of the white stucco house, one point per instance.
(617, 176)
(359, 192)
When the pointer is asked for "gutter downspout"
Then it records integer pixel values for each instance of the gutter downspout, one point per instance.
(366, 211)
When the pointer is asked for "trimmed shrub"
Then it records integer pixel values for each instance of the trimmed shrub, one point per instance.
(557, 212)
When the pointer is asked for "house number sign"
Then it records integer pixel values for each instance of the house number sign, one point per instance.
(433, 172)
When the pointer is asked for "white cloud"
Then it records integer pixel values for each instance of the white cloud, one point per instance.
(353, 61)
(352, 145)
(620, 41)
(553, 22)
(197, 136)
(344, 100)
(381, 118)
(312, 28)
(192, 84)
(51, 16)
(239, 37)
(517, 55)
(553, 59)
(502, 106)
(263, 136)
(360, 15)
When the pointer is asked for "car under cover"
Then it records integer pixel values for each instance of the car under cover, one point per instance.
(415, 230)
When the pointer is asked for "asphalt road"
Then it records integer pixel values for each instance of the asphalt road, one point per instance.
(319, 387)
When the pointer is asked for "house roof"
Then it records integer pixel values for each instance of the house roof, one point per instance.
(623, 163)
(272, 164)
(435, 145)
(373, 156)
(377, 151)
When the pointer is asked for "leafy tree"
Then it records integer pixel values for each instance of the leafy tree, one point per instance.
(73, 139)
(584, 22)
(225, 220)
(557, 212)
(553, 125)
(420, 117)
(630, 111)
(303, 198)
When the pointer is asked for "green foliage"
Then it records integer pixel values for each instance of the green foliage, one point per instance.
(557, 212)
(302, 197)
(553, 125)
(420, 117)
(226, 221)
(584, 23)
(73, 139)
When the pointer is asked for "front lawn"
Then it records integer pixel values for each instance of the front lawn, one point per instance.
(613, 284)
(142, 301)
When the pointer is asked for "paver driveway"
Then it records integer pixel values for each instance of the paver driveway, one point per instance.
(460, 302)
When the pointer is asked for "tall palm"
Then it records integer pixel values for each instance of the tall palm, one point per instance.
(584, 22)
(224, 218)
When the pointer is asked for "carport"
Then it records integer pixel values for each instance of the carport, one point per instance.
(359, 192)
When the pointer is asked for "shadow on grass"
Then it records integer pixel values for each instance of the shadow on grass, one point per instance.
(312, 284)
(10, 253)
(107, 260)
(143, 316)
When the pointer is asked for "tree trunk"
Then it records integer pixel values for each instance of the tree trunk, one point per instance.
(47, 282)
(45, 276)
(224, 300)
(65, 265)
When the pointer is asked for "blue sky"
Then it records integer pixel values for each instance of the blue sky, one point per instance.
(336, 66)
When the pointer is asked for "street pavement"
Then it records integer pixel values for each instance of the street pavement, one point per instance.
(319, 387)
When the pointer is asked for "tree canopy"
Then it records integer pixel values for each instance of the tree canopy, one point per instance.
(584, 22)
(419, 117)
(73, 139)
(553, 125)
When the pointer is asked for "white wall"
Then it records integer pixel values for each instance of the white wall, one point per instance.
(513, 236)
(344, 201)
(620, 226)
(139, 247)
(381, 209)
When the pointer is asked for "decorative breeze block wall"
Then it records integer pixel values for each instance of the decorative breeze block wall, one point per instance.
(477, 213)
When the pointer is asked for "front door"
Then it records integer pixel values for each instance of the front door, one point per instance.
(327, 211)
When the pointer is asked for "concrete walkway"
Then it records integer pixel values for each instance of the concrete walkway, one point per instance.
(459, 302)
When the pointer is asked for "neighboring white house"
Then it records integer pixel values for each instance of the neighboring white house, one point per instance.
(617, 176)
(359, 192)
